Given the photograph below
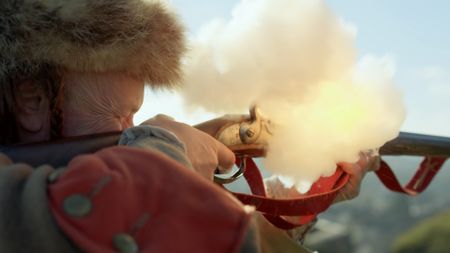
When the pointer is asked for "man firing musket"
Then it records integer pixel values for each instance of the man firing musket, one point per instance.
(73, 68)
(72, 73)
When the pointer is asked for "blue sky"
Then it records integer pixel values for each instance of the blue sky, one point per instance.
(414, 33)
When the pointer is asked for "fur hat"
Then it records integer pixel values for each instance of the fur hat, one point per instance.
(139, 37)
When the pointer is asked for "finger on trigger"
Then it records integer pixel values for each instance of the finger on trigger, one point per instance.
(4, 160)
(225, 157)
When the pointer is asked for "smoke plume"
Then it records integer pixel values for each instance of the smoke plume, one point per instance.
(297, 61)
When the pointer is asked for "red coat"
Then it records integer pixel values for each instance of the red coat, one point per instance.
(124, 195)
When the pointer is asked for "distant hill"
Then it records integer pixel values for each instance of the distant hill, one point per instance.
(431, 236)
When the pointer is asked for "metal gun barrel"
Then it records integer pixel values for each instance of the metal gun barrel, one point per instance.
(417, 145)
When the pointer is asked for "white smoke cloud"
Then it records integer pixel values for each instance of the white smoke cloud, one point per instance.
(297, 61)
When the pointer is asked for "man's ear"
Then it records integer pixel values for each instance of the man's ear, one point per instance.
(32, 106)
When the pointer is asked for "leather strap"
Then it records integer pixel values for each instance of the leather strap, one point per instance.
(429, 167)
(324, 191)
(306, 208)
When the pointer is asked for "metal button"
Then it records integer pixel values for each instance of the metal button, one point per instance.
(77, 205)
(125, 243)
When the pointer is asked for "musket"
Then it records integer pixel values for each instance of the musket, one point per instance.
(248, 137)
(244, 134)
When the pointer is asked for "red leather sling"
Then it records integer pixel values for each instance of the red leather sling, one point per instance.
(324, 191)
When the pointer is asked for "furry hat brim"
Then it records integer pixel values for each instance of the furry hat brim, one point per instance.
(139, 37)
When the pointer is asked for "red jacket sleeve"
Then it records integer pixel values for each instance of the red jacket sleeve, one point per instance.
(124, 198)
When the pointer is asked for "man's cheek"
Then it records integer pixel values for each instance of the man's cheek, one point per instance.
(127, 122)
(101, 125)
(112, 125)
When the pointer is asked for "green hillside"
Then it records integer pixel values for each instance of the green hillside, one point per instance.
(430, 236)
